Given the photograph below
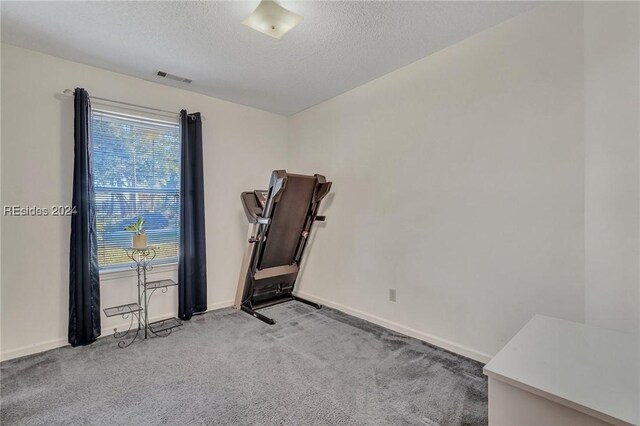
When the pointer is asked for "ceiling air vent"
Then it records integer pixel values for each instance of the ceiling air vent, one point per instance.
(173, 77)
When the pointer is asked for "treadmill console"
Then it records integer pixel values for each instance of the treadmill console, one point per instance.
(261, 195)
(253, 204)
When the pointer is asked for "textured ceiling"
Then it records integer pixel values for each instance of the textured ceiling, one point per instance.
(338, 46)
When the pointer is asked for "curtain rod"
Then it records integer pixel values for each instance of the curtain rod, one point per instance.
(70, 92)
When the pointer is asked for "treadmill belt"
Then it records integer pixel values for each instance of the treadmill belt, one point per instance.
(287, 222)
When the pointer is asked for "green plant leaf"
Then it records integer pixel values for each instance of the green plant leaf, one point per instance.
(136, 227)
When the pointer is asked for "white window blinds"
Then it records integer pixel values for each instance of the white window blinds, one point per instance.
(136, 165)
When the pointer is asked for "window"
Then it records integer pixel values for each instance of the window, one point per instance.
(136, 166)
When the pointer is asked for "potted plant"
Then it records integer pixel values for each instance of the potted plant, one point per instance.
(139, 237)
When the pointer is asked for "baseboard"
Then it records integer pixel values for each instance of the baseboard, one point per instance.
(33, 349)
(106, 331)
(425, 337)
(220, 305)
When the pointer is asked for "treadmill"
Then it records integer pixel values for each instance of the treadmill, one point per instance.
(280, 221)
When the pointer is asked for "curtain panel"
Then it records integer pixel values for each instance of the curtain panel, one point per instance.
(84, 275)
(192, 266)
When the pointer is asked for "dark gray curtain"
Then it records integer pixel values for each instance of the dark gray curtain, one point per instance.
(84, 276)
(192, 267)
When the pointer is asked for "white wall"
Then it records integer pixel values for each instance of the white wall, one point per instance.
(460, 181)
(612, 142)
(241, 147)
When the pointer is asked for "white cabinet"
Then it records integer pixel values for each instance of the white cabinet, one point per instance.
(557, 372)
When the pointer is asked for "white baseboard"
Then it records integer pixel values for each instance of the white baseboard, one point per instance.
(220, 305)
(106, 331)
(33, 349)
(425, 337)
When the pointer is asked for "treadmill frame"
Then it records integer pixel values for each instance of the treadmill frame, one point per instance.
(257, 236)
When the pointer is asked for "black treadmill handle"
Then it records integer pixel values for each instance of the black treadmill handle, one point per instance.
(321, 218)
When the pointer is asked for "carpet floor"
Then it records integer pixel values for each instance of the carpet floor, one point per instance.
(314, 367)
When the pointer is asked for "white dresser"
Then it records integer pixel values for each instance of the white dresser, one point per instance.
(557, 372)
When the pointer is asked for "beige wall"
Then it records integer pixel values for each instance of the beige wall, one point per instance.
(460, 181)
(241, 147)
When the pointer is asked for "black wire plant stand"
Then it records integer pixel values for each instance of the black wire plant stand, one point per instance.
(138, 313)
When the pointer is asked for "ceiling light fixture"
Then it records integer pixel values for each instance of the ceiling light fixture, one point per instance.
(272, 19)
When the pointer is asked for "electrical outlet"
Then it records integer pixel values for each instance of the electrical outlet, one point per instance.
(392, 294)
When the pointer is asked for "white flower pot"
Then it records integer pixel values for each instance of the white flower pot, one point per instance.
(140, 241)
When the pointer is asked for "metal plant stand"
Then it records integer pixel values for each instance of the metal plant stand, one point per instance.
(141, 258)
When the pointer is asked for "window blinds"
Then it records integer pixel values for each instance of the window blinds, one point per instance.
(136, 165)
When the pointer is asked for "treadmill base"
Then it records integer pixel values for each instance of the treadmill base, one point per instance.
(258, 315)
(308, 302)
(271, 321)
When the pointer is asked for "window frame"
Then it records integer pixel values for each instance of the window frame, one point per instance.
(124, 270)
